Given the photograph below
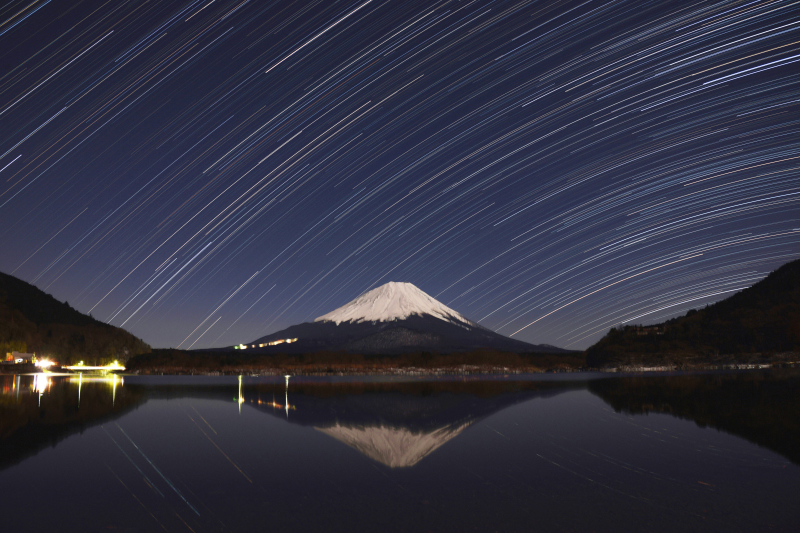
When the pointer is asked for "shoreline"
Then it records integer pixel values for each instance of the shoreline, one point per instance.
(465, 370)
(349, 369)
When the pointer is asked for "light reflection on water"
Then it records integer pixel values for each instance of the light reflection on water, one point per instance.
(230, 454)
(16, 385)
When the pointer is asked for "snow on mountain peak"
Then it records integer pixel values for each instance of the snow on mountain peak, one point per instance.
(392, 301)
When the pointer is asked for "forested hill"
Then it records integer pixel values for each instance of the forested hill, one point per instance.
(763, 319)
(33, 321)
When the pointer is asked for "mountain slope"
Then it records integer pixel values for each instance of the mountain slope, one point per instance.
(33, 321)
(762, 319)
(393, 318)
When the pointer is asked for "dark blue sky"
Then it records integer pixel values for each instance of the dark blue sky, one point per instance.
(203, 173)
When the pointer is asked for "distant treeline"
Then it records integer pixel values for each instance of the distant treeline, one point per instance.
(171, 361)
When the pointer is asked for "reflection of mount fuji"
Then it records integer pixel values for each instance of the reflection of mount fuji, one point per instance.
(394, 447)
(399, 424)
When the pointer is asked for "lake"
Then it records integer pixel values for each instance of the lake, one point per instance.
(551, 452)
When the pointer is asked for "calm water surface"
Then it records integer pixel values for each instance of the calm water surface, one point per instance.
(710, 452)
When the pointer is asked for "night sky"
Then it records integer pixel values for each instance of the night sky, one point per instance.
(204, 173)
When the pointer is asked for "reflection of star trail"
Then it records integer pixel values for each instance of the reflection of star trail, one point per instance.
(166, 480)
(225, 455)
(144, 476)
(552, 169)
(135, 497)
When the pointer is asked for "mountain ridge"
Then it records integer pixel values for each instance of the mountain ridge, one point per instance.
(760, 321)
(34, 321)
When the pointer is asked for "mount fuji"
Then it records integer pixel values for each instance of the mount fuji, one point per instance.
(394, 318)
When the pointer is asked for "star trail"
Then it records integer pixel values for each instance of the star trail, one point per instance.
(203, 173)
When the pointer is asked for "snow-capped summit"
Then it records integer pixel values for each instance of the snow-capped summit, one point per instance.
(392, 301)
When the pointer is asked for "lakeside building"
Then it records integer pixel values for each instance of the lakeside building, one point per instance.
(20, 358)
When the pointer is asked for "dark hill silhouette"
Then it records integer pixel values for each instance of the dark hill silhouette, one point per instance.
(754, 325)
(38, 306)
(33, 321)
